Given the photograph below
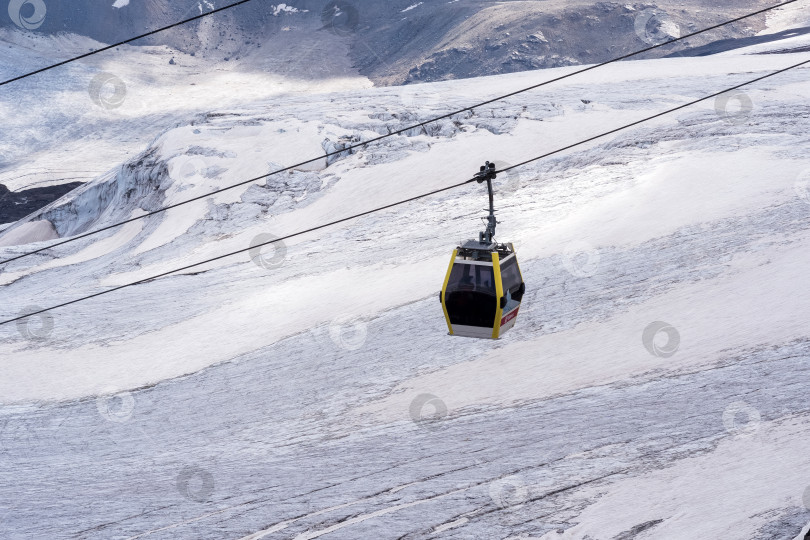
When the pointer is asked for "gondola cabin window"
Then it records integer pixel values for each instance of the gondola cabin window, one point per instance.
(511, 278)
(471, 298)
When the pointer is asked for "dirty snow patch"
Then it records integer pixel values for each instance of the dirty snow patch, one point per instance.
(27, 233)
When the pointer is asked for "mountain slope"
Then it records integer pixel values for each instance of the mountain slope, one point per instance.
(402, 41)
(266, 50)
(280, 397)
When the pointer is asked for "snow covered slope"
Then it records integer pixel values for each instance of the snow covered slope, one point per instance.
(73, 123)
(312, 392)
(113, 105)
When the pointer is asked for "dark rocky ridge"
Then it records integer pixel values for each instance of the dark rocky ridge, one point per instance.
(17, 205)
(393, 42)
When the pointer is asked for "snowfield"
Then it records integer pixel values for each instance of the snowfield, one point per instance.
(654, 385)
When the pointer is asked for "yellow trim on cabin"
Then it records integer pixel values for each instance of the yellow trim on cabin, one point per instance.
(496, 269)
(444, 290)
